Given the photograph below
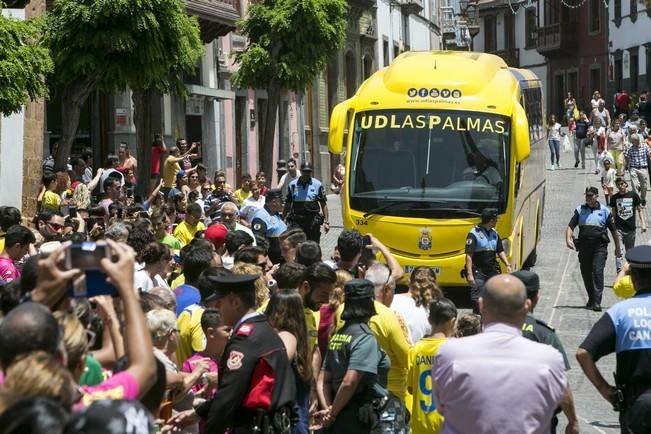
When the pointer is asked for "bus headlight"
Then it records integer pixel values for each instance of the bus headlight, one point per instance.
(506, 243)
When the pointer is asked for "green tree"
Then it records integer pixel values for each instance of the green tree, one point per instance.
(24, 63)
(145, 45)
(290, 43)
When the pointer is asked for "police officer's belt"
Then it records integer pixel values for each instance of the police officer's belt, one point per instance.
(276, 422)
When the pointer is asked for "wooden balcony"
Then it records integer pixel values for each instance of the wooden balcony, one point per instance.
(216, 17)
(411, 6)
(511, 56)
(361, 4)
(555, 40)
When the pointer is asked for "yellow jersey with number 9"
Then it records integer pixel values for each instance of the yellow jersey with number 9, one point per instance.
(424, 416)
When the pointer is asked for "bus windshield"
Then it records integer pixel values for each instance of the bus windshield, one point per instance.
(429, 162)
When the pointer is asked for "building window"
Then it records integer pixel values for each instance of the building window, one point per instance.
(396, 50)
(509, 31)
(634, 10)
(490, 34)
(634, 68)
(531, 28)
(617, 8)
(595, 16)
(385, 52)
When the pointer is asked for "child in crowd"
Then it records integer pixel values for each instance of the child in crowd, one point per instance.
(216, 334)
(48, 198)
(608, 175)
(468, 324)
(424, 416)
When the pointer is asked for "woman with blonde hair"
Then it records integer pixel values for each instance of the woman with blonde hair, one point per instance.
(261, 290)
(75, 340)
(38, 374)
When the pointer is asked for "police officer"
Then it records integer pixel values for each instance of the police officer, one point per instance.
(354, 375)
(268, 223)
(483, 245)
(592, 218)
(538, 331)
(256, 381)
(305, 201)
(625, 329)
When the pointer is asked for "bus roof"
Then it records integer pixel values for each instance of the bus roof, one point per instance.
(446, 80)
(526, 78)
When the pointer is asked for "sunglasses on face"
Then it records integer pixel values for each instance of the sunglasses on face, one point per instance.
(55, 226)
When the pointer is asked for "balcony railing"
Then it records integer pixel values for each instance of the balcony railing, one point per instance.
(510, 55)
(555, 40)
(216, 17)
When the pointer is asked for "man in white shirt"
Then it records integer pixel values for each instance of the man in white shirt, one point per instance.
(498, 381)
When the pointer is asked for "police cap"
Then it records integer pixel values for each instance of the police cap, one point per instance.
(639, 257)
(358, 289)
(274, 193)
(228, 283)
(530, 279)
(488, 214)
(306, 167)
(592, 190)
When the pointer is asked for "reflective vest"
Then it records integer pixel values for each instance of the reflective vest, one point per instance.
(486, 241)
(275, 224)
(593, 217)
(632, 322)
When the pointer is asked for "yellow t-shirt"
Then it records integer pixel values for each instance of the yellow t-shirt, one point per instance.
(424, 416)
(51, 200)
(169, 172)
(2, 243)
(241, 195)
(185, 233)
(191, 337)
(623, 288)
(180, 280)
(392, 340)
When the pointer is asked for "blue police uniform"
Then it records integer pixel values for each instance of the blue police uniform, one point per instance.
(271, 227)
(592, 245)
(625, 329)
(304, 200)
(483, 245)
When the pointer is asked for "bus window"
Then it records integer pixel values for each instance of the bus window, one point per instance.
(436, 159)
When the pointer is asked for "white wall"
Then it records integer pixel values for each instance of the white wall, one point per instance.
(11, 146)
(390, 28)
(630, 34)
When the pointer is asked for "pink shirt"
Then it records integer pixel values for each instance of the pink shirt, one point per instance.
(497, 382)
(121, 386)
(188, 365)
(8, 270)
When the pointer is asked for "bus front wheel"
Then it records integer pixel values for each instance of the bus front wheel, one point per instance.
(531, 259)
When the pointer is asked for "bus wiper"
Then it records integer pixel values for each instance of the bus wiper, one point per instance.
(451, 210)
(384, 207)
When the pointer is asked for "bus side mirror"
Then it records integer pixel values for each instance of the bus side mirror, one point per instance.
(520, 134)
(338, 120)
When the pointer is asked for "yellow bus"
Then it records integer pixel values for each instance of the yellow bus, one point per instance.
(431, 141)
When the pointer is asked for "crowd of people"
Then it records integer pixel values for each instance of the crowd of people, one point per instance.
(208, 309)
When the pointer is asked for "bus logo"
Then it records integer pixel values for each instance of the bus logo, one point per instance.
(433, 92)
(425, 239)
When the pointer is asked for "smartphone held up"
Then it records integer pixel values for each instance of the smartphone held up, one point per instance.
(87, 257)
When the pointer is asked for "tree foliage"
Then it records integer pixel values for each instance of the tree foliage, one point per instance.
(122, 43)
(291, 42)
(112, 45)
(24, 63)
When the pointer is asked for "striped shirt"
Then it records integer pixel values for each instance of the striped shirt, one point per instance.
(636, 156)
